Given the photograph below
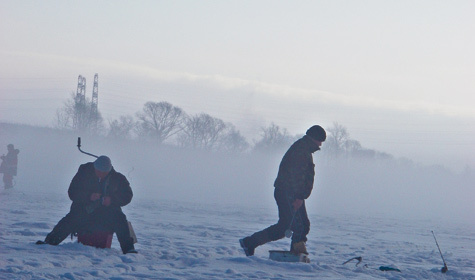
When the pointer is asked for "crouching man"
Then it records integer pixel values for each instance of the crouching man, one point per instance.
(97, 192)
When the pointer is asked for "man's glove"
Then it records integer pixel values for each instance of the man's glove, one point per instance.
(95, 196)
(106, 201)
(297, 204)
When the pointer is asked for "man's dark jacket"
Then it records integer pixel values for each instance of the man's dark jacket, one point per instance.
(10, 162)
(296, 170)
(85, 182)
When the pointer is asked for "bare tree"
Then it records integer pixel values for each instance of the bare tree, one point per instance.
(122, 128)
(233, 141)
(353, 147)
(202, 131)
(160, 121)
(62, 119)
(340, 144)
(273, 138)
(76, 114)
(337, 140)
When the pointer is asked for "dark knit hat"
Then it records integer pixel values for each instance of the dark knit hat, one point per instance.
(103, 164)
(317, 133)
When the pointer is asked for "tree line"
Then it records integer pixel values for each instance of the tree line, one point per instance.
(163, 123)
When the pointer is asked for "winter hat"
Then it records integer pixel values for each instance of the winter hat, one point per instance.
(317, 133)
(103, 164)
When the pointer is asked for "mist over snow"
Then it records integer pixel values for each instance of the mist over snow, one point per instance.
(191, 207)
(49, 159)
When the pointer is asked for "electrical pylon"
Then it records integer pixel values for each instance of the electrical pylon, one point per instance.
(95, 95)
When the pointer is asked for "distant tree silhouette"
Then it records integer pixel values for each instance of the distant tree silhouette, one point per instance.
(160, 121)
(122, 128)
(340, 145)
(337, 140)
(203, 131)
(273, 138)
(233, 141)
(77, 115)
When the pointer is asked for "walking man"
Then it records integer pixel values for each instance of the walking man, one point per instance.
(293, 185)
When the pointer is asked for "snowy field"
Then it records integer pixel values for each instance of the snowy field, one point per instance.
(180, 240)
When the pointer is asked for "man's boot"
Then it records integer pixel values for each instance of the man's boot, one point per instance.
(52, 239)
(128, 246)
(245, 245)
(298, 248)
(250, 243)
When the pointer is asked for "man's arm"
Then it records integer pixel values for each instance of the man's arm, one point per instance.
(302, 176)
(77, 191)
(124, 193)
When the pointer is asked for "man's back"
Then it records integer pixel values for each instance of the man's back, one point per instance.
(296, 170)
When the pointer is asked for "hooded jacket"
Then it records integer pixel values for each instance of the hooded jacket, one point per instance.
(297, 170)
(85, 182)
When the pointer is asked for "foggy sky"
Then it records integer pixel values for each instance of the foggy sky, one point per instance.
(398, 75)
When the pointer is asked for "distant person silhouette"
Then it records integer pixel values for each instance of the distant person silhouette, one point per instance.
(9, 166)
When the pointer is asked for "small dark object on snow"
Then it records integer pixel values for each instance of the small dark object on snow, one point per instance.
(388, 268)
(359, 259)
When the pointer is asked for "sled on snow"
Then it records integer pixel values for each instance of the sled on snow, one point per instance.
(101, 238)
(287, 256)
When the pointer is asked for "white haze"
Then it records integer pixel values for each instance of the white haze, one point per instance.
(421, 134)
(49, 159)
(397, 74)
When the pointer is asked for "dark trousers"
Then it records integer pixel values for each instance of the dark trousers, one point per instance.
(300, 224)
(102, 218)
(8, 180)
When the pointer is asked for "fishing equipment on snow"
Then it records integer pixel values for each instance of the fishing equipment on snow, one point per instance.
(388, 268)
(359, 259)
(381, 268)
(443, 269)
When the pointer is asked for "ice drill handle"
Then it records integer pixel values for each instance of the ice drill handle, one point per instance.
(79, 148)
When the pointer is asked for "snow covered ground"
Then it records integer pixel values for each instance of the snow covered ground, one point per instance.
(180, 240)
